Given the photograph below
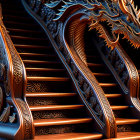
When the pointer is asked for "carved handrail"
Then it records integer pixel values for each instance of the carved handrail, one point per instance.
(14, 81)
(86, 84)
(125, 73)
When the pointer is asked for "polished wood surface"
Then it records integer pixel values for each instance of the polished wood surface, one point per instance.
(50, 122)
(123, 121)
(47, 79)
(55, 107)
(47, 94)
(86, 103)
(70, 136)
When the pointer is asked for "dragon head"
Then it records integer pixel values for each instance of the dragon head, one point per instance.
(111, 18)
(114, 17)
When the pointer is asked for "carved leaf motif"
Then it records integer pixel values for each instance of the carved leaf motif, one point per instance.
(85, 86)
(12, 118)
(93, 101)
(75, 71)
(5, 114)
(80, 79)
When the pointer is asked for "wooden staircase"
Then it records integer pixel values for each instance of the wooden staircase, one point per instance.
(128, 126)
(56, 110)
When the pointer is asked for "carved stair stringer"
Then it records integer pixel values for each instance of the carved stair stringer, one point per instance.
(13, 86)
(125, 73)
(88, 88)
(81, 21)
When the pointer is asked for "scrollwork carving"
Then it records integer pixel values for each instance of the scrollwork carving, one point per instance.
(117, 64)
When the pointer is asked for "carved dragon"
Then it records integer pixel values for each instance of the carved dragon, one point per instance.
(68, 19)
(120, 15)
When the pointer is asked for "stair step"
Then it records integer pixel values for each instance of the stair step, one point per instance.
(93, 56)
(45, 69)
(126, 136)
(107, 84)
(70, 136)
(48, 94)
(40, 62)
(101, 74)
(119, 107)
(14, 12)
(31, 46)
(113, 95)
(36, 55)
(52, 122)
(24, 31)
(18, 17)
(19, 23)
(28, 38)
(94, 65)
(49, 79)
(55, 107)
(129, 135)
(122, 121)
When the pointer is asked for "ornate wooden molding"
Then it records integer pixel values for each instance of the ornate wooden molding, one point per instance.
(63, 22)
(86, 84)
(125, 73)
(13, 79)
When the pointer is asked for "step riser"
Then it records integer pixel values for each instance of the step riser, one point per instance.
(53, 114)
(30, 42)
(19, 18)
(36, 101)
(36, 50)
(122, 113)
(104, 79)
(48, 87)
(43, 58)
(27, 34)
(20, 26)
(127, 128)
(47, 74)
(63, 129)
(49, 65)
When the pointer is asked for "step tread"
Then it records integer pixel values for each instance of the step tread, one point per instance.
(19, 17)
(40, 62)
(70, 136)
(47, 79)
(49, 94)
(64, 121)
(123, 121)
(101, 74)
(113, 95)
(29, 38)
(117, 107)
(23, 30)
(126, 136)
(95, 65)
(107, 84)
(31, 46)
(37, 55)
(44, 69)
(55, 107)
(21, 23)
